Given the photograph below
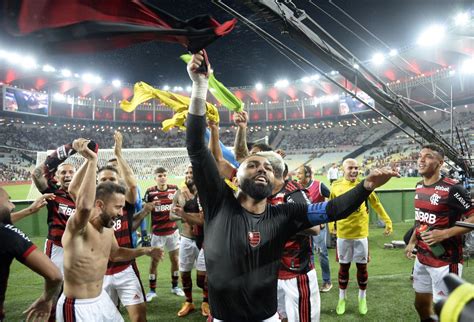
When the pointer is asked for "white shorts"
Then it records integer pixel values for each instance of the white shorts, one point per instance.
(170, 242)
(126, 286)
(302, 289)
(55, 253)
(100, 308)
(270, 319)
(352, 250)
(190, 256)
(429, 280)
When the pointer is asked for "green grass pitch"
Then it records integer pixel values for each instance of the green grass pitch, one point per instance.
(20, 192)
(389, 294)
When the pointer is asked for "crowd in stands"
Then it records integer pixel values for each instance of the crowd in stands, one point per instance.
(312, 139)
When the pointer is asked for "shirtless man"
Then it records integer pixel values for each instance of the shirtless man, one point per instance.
(89, 243)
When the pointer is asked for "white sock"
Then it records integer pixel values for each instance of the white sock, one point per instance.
(342, 294)
(361, 294)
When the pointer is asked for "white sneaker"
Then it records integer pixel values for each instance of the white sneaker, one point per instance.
(150, 296)
(176, 290)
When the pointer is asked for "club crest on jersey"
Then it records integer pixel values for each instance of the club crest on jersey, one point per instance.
(434, 199)
(254, 238)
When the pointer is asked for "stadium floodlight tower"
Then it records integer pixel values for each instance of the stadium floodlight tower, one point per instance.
(296, 23)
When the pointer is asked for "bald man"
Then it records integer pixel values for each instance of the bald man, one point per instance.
(352, 236)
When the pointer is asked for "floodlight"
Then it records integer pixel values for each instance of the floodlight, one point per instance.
(116, 83)
(258, 86)
(282, 83)
(462, 19)
(431, 36)
(66, 72)
(393, 52)
(378, 59)
(48, 68)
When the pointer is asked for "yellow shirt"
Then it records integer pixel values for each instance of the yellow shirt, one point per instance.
(357, 224)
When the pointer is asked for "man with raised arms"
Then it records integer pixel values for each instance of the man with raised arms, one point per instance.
(89, 242)
(244, 236)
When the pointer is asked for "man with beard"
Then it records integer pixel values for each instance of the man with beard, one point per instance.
(439, 203)
(297, 294)
(15, 244)
(244, 236)
(352, 236)
(191, 252)
(54, 176)
(89, 243)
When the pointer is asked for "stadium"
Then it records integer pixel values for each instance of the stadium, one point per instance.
(350, 91)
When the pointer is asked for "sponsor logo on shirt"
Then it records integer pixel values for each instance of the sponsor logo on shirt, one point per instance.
(254, 238)
(434, 199)
(425, 217)
(162, 208)
(66, 210)
(461, 200)
(18, 231)
(442, 188)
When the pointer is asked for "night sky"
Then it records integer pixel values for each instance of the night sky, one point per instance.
(242, 57)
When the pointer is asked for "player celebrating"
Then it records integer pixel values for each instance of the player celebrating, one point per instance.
(317, 192)
(165, 231)
(439, 203)
(297, 294)
(89, 242)
(188, 209)
(54, 176)
(122, 279)
(352, 233)
(244, 238)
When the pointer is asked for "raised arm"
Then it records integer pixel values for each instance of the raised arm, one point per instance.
(205, 172)
(226, 169)
(240, 144)
(76, 183)
(125, 170)
(342, 206)
(44, 173)
(86, 194)
(33, 208)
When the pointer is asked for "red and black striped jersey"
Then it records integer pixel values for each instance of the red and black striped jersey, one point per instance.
(439, 206)
(59, 211)
(160, 215)
(296, 258)
(314, 191)
(123, 234)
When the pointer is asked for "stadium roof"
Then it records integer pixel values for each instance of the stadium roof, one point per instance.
(242, 58)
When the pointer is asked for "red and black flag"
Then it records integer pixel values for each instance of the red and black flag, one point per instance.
(92, 25)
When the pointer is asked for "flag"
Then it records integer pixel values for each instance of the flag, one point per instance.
(143, 92)
(91, 25)
(220, 92)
